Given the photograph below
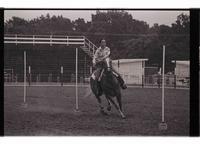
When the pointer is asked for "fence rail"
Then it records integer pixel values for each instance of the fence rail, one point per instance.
(45, 39)
(151, 80)
(86, 45)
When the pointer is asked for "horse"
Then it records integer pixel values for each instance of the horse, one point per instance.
(110, 87)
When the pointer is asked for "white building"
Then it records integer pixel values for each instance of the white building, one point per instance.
(182, 72)
(130, 69)
(182, 68)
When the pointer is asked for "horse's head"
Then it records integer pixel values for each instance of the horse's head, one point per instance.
(109, 80)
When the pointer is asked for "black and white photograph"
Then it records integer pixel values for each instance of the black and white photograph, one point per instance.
(96, 72)
(199, 67)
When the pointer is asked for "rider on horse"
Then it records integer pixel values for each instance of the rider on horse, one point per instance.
(100, 55)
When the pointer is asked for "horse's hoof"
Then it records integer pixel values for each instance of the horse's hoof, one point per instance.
(123, 117)
(103, 112)
(109, 108)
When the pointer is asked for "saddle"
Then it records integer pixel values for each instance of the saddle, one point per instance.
(94, 76)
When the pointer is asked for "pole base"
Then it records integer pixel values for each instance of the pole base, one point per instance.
(162, 126)
(24, 105)
(77, 110)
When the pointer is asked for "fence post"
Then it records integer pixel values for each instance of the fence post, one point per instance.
(58, 79)
(84, 41)
(174, 81)
(33, 40)
(16, 78)
(50, 40)
(159, 80)
(142, 81)
(29, 75)
(85, 69)
(15, 39)
(67, 41)
(39, 77)
(12, 76)
(61, 71)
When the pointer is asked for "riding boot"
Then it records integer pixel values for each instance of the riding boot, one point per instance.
(122, 83)
(119, 78)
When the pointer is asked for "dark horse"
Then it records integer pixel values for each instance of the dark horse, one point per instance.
(109, 87)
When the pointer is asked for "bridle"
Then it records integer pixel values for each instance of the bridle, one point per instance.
(107, 61)
(108, 67)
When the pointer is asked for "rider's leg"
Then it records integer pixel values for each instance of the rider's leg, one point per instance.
(98, 72)
(120, 79)
(97, 75)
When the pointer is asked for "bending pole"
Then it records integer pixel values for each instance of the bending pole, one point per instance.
(163, 86)
(76, 79)
(163, 125)
(24, 76)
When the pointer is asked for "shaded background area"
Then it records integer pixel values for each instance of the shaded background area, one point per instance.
(45, 62)
(127, 36)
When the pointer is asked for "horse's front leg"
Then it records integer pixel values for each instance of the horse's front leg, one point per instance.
(120, 105)
(101, 106)
(109, 104)
(117, 107)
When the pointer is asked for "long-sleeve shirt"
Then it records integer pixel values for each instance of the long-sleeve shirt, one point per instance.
(101, 54)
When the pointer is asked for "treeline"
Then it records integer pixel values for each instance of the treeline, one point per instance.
(126, 36)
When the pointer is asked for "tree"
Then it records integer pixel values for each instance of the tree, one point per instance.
(182, 24)
(16, 25)
(80, 25)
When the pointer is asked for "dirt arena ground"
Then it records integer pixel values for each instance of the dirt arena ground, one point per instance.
(50, 111)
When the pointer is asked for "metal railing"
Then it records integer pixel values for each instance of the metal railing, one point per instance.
(87, 46)
(134, 80)
(44, 39)
(91, 46)
(170, 81)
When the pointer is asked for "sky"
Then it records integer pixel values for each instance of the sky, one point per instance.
(151, 17)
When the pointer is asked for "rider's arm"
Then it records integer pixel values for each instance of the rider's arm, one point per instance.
(95, 56)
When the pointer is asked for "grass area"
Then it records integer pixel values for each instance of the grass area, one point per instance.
(50, 111)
